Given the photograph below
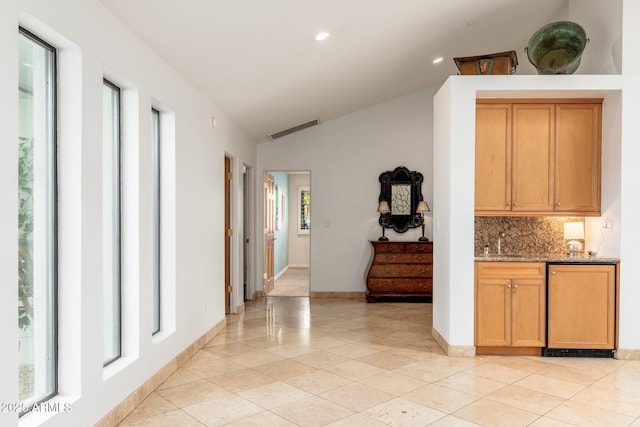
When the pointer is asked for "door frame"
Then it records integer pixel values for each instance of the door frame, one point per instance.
(228, 233)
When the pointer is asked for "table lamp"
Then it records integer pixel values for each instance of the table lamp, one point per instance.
(383, 208)
(422, 209)
(574, 231)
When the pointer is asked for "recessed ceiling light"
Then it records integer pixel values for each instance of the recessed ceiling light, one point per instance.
(471, 23)
(322, 36)
(438, 60)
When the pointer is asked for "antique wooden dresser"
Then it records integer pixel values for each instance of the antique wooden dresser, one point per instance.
(400, 270)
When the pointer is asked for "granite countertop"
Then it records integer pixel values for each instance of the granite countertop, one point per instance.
(556, 258)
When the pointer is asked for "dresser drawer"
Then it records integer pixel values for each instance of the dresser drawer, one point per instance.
(401, 270)
(389, 247)
(418, 248)
(404, 258)
(401, 286)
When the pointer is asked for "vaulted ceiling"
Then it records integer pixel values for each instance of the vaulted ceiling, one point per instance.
(258, 61)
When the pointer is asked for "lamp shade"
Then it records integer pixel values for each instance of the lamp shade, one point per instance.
(383, 207)
(423, 207)
(573, 230)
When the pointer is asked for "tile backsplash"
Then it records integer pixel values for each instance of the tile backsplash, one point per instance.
(523, 235)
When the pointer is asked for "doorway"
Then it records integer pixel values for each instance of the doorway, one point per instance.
(248, 263)
(287, 233)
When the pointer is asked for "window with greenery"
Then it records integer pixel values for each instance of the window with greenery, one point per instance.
(112, 222)
(155, 132)
(37, 243)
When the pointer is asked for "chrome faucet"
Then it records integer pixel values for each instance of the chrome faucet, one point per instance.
(500, 236)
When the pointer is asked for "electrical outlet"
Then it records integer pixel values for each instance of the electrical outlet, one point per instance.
(607, 225)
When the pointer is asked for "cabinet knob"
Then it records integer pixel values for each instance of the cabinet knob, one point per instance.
(509, 285)
(515, 286)
(557, 203)
(553, 272)
(508, 203)
(515, 204)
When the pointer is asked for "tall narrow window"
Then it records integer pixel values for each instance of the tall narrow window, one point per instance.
(37, 242)
(112, 222)
(155, 132)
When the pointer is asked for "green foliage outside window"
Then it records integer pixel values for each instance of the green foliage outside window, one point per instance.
(25, 231)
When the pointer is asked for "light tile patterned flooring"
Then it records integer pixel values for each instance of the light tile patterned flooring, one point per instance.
(320, 362)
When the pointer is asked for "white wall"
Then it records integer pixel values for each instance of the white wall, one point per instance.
(345, 157)
(299, 244)
(601, 22)
(630, 177)
(92, 44)
(453, 181)
(8, 212)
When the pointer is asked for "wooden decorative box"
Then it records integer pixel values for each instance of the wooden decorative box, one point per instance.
(494, 63)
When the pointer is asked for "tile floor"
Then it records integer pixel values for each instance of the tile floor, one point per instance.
(320, 362)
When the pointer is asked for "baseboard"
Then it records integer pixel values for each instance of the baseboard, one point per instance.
(342, 295)
(239, 309)
(124, 408)
(508, 351)
(453, 350)
(627, 354)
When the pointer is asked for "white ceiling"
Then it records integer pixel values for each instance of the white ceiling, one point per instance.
(257, 60)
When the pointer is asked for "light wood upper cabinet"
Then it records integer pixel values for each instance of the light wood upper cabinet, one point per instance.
(535, 157)
(493, 157)
(577, 163)
(510, 305)
(582, 306)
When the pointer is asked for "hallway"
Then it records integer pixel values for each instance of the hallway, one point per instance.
(337, 362)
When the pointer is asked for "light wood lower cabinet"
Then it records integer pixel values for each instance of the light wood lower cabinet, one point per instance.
(510, 307)
(582, 306)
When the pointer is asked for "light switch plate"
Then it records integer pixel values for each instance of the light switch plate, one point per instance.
(608, 225)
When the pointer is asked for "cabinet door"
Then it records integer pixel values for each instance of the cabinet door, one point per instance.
(581, 306)
(528, 312)
(533, 157)
(493, 157)
(493, 312)
(577, 152)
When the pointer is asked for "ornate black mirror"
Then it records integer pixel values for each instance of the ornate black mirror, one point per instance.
(402, 190)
